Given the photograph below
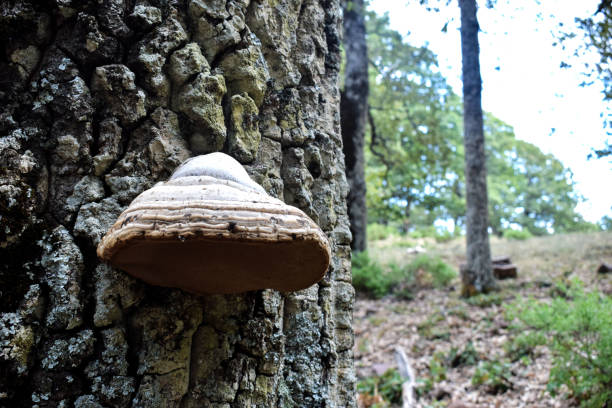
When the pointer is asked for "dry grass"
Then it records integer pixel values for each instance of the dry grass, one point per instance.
(541, 259)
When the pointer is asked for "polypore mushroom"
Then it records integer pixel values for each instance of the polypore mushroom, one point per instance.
(211, 229)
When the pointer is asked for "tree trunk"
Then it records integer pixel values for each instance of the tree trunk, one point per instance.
(99, 101)
(477, 277)
(354, 105)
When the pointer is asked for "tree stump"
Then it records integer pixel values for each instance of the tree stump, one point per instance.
(604, 268)
(503, 268)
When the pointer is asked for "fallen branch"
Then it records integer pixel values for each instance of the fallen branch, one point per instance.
(408, 399)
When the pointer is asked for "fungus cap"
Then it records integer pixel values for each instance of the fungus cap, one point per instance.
(211, 229)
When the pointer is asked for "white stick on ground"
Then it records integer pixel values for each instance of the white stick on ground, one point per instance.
(408, 399)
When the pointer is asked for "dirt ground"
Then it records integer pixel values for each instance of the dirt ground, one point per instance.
(437, 324)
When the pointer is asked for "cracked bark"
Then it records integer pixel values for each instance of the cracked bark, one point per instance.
(99, 101)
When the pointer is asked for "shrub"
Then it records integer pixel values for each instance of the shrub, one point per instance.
(519, 235)
(443, 236)
(437, 367)
(423, 232)
(377, 232)
(401, 282)
(376, 280)
(368, 275)
(580, 339)
(524, 345)
(403, 243)
(485, 300)
(431, 268)
(466, 357)
(388, 386)
(494, 375)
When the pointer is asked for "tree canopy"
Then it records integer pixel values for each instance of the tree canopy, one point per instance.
(414, 169)
(596, 32)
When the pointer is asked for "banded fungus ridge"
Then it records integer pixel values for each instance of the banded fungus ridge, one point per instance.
(211, 229)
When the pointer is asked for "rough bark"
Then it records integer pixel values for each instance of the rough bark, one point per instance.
(477, 277)
(354, 105)
(99, 100)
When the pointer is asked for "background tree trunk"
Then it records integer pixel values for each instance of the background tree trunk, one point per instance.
(100, 100)
(477, 276)
(354, 105)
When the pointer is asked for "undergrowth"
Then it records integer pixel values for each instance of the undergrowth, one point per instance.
(431, 270)
(377, 232)
(519, 235)
(579, 335)
(387, 385)
(495, 375)
(377, 280)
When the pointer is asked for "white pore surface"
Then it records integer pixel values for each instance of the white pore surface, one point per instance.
(218, 165)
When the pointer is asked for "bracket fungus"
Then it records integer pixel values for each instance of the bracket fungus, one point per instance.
(211, 229)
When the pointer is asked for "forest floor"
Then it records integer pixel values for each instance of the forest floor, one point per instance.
(446, 337)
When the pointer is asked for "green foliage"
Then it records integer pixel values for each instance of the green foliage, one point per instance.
(388, 386)
(485, 300)
(437, 373)
(526, 187)
(519, 235)
(377, 232)
(377, 280)
(579, 331)
(369, 277)
(437, 367)
(427, 267)
(403, 243)
(410, 140)
(439, 364)
(597, 34)
(466, 357)
(427, 327)
(583, 226)
(414, 164)
(422, 232)
(443, 236)
(429, 231)
(523, 345)
(606, 223)
(494, 375)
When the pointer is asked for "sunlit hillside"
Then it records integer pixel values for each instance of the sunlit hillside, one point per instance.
(473, 351)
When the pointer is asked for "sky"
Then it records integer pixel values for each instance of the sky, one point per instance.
(523, 83)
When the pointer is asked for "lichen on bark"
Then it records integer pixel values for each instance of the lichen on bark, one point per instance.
(99, 100)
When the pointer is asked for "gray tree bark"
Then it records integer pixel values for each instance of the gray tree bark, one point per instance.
(354, 105)
(477, 276)
(99, 100)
